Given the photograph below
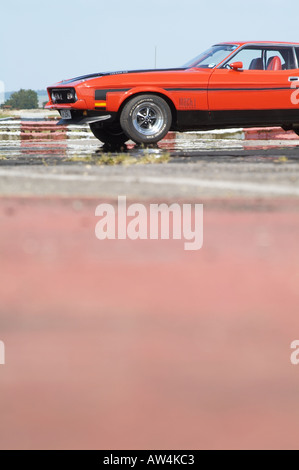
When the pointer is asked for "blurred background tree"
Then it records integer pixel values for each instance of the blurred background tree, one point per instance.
(23, 99)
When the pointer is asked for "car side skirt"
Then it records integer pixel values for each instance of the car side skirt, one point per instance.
(197, 120)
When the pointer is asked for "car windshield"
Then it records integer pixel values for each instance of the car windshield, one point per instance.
(212, 57)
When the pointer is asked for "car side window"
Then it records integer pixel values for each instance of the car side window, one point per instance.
(279, 59)
(297, 54)
(251, 58)
(265, 58)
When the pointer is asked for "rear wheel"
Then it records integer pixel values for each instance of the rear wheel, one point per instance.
(146, 119)
(110, 135)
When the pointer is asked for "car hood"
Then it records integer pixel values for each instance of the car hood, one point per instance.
(92, 76)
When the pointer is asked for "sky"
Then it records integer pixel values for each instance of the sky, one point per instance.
(42, 42)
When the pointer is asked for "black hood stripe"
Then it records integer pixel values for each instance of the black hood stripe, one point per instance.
(105, 74)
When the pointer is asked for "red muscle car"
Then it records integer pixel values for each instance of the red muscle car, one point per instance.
(231, 84)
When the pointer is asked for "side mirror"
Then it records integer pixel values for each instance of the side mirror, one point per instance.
(236, 65)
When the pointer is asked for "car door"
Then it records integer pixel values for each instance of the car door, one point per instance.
(260, 92)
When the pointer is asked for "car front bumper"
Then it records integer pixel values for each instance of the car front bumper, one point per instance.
(87, 117)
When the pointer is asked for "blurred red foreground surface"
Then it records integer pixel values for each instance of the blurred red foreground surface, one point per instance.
(140, 344)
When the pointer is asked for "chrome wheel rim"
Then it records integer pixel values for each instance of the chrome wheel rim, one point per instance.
(148, 118)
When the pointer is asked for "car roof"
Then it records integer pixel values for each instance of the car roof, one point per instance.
(271, 43)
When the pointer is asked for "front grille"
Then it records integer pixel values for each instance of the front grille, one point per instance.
(63, 95)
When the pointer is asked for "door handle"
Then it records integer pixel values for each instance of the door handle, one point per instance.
(293, 79)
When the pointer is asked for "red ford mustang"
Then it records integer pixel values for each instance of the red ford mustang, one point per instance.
(230, 84)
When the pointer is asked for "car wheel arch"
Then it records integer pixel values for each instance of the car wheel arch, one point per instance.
(155, 93)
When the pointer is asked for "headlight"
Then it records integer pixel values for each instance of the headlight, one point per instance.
(64, 95)
(71, 95)
(56, 96)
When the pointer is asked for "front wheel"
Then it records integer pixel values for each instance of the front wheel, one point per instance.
(146, 119)
(110, 135)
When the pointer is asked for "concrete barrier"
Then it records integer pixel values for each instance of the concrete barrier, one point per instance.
(42, 130)
(269, 133)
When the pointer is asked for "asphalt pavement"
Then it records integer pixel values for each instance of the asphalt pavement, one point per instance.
(188, 167)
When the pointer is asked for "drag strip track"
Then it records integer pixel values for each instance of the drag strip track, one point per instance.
(213, 185)
(140, 343)
(192, 167)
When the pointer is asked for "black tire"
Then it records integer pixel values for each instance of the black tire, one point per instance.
(146, 119)
(109, 135)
